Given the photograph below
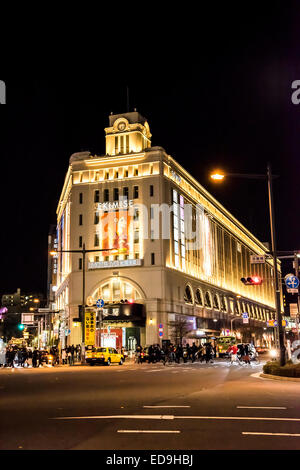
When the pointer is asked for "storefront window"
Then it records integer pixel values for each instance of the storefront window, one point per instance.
(115, 290)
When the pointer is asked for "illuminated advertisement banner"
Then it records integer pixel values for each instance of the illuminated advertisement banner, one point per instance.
(116, 231)
(90, 328)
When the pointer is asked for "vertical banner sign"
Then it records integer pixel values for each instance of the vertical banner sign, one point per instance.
(161, 330)
(90, 328)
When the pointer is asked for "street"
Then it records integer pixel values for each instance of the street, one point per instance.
(148, 406)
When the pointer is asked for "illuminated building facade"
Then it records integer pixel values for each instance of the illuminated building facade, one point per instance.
(180, 253)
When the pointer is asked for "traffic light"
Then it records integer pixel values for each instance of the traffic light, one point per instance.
(252, 281)
(21, 326)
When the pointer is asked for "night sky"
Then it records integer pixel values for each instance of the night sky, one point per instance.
(229, 107)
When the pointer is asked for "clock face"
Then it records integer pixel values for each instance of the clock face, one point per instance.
(121, 126)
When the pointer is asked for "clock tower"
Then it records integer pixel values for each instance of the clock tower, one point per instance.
(127, 133)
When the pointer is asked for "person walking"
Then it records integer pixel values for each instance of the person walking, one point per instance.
(178, 353)
(69, 354)
(208, 352)
(246, 357)
(194, 350)
(64, 356)
(232, 351)
(35, 357)
(29, 358)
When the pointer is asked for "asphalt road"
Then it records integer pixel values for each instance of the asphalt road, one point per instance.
(186, 406)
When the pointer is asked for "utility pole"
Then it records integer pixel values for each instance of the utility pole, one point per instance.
(296, 266)
(274, 254)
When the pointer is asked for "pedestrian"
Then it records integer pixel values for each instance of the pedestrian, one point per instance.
(194, 351)
(246, 356)
(178, 353)
(232, 351)
(29, 358)
(69, 354)
(208, 352)
(35, 356)
(64, 356)
(73, 354)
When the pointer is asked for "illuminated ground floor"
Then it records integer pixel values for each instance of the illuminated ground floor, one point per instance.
(145, 306)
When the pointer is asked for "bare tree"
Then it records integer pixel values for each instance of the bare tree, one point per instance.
(179, 328)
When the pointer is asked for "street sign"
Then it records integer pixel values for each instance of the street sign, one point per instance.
(90, 301)
(44, 310)
(293, 310)
(292, 291)
(257, 259)
(100, 303)
(291, 281)
(27, 318)
(161, 329)
(245, 317)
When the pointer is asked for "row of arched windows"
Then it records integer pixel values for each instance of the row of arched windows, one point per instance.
(220, 302)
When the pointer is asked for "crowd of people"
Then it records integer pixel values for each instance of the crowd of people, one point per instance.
(176, 353)
(15, 356)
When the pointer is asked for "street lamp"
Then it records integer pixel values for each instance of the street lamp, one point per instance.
(220, 176)
(83, 252)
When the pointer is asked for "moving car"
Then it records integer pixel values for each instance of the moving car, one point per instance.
(105, 356)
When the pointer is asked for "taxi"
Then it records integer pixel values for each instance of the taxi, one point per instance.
(105, 356)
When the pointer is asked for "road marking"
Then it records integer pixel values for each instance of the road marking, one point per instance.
(118, 417)
(230, 418)
(136, 431)
(263, 407)
(166, 406)
(270, 434)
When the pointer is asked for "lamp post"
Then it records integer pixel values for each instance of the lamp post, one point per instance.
(219, 176)
(83, 252)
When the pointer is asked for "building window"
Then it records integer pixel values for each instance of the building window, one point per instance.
(136, 172)
(122, 143)
(127, 143)
(80, 242)
(80, 198)
(135, 192)
(207, 300)
(152, 258)
(199, 299)
(80, 263)
(116, 145)
(216, 302)
(106, 195)
(96, 240)
(116, 194)
(151, 190)
(136, 214)
(136, 236)
(125, 192)
(97, 196)
(188, 296)
(126, 174)
(137, 255)
(151, 213)
(80, 219)
(96, 259)
(223, 303)
(116, 174)
(106, 175)
(96, 218)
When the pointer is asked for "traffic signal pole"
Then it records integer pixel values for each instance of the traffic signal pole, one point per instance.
(296, 266)
(274, 253)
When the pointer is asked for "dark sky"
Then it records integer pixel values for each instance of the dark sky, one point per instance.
(228, 105)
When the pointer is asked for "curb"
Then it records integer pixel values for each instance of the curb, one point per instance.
(280, 377)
